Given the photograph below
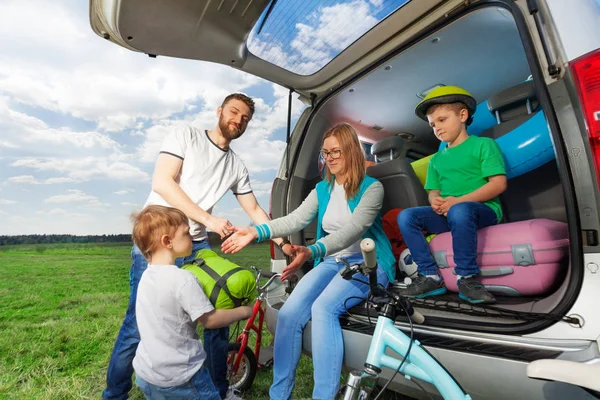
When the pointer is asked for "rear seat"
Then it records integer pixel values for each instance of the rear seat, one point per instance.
(402, 186)
(535, 194)
(528, 253)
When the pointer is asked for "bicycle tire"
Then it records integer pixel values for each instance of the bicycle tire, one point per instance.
(247, 369)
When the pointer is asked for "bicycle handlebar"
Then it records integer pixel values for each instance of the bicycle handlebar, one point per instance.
(369, 267)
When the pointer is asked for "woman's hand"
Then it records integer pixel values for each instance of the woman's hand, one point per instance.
(241, 237)
(287, 250)
(301, 254)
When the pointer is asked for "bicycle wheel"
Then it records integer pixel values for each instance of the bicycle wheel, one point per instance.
(246, 371)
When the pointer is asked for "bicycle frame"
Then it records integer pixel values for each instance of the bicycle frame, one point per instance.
(245, 335)
(419, 363)
(258, 310)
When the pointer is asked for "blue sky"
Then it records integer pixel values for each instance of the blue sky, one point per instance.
(82, 119)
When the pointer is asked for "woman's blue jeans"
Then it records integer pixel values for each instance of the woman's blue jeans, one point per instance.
(120, 368)
(463, 220)
(322, 295)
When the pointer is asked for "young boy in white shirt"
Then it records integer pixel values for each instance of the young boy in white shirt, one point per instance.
(170, 303)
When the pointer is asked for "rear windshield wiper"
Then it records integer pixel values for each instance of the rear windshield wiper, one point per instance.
(262, 23)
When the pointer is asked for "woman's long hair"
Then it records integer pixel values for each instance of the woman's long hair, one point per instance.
(354, 158)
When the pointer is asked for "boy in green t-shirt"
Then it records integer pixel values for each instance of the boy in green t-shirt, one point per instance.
(465, 180)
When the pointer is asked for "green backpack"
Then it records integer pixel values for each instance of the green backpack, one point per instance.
(227, 285)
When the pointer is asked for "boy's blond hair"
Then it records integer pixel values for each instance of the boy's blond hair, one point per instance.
(456, 107)
(153, 222)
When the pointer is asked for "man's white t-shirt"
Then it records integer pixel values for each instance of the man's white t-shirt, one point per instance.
(169, 301)
(207, 172)
(336, 216)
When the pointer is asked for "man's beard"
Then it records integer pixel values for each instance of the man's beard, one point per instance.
(230, 133)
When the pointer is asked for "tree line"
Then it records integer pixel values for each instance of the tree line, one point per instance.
(51, 239)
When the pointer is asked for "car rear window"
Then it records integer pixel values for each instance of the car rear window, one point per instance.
(303, 36)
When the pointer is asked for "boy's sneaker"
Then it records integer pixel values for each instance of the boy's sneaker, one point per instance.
(473, 291)
(231, 395)
(423, 286)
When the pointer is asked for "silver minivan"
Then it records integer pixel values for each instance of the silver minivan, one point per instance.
(369, 62)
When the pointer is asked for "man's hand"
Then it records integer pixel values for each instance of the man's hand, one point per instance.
(301, 254)
(448, 202)
(241, 238)
(436, 204)
(220, 226)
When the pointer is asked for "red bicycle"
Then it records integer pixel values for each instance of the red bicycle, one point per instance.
(242, 362)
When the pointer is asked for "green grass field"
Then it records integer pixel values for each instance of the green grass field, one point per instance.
(62, 307)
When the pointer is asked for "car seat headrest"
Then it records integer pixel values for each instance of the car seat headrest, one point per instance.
(388, 148)
(514, 102)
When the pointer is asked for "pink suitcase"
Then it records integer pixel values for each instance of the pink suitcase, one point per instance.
(524, 258)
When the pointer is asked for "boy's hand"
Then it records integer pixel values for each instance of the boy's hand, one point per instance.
(448, 202)
(436, 204)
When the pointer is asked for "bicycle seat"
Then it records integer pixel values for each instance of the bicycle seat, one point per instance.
(572, 372)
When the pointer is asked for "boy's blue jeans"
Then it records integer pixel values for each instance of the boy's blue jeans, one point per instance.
(120, 368)
(323, 295)
(463, 220)
(200, 387)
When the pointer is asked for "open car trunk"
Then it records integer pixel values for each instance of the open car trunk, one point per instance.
(486, 49)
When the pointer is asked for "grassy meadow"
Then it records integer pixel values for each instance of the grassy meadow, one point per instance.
(62, 307)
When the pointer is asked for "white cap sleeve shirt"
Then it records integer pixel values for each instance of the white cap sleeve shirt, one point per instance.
(207, 173)
(336, 216)
(169, 301)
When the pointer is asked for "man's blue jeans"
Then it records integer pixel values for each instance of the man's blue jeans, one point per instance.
(120, 368)
(323, 295)
(200, 387)
(464, 219)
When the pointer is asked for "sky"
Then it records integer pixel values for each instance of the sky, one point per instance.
(82, 119)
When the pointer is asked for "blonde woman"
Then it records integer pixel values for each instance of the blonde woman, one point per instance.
(346, 204)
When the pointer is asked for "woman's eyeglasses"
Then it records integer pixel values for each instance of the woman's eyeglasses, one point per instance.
(334, 154)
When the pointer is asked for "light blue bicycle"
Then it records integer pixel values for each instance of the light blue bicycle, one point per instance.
(416, 363)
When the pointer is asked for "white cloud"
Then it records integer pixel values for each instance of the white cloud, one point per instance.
(5, 201)
(73, 196)
(57, 58)
(85, 169)
(64, 213)
(31, 180)
(129, 204)
(27, 132)
(261, 188)
(124, 191)
(337, 27)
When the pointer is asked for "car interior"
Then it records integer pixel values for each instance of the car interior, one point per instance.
(483, 53)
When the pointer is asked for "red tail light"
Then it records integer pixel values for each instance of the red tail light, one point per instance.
(586, 70)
